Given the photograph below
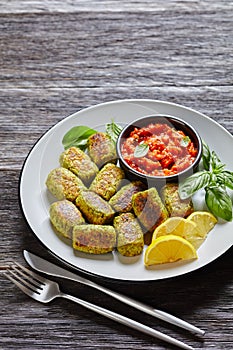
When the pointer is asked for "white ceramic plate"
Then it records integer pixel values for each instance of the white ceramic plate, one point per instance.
(35, 199)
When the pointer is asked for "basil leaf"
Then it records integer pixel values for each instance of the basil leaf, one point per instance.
(216, 163)
(113, 130)
(226, 178)
(194, 183)
(141, 150)
(219, 202)
(77, 136)
(185, 141)
(82, 144)
(215, 179)
(206, 155)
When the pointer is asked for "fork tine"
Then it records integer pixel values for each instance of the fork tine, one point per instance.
(25, 278)
(21, 286)
(35, 276)
(20, 278)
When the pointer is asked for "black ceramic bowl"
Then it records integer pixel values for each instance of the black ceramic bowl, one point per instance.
(173, 122)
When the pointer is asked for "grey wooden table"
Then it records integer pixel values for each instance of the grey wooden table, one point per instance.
(59, 57)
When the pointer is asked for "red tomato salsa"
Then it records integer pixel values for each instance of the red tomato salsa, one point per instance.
(168, 151)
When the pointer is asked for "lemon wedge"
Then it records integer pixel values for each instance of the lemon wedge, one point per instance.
(167, 249)
(180, 227)
(204, 220)
(175, 226)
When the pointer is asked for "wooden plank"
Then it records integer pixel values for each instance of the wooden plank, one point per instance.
(53, 6)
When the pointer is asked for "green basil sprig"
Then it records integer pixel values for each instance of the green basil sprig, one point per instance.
(77, 136)
(219, 202)
(113, 130)
(141, 150)
(215, 180)
(194, 183)
(185, 141)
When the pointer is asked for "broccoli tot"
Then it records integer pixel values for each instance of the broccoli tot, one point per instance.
(62, 183)
(107, 181)
(94, 239)
(95, 209)
(122, 200)
(64, 215)
(130, 240)
(101, 149)
(150, 210)
(79, 163)
(176, 206)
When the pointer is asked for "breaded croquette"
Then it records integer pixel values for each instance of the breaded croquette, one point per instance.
(122, 200)
(64, 215)
(95, 209)
(149, 209)
(130, 240)
(94, 239)
(101, 149)
(107, 181)
(63, 184)
(79, 163)
(176, 206)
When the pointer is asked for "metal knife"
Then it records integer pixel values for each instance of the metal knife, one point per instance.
(51, 269)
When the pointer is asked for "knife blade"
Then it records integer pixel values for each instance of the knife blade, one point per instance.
(45, 266)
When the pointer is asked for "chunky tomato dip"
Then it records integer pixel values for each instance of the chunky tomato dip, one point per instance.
(158, 150)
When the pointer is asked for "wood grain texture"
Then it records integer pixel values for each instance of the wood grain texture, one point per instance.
(29, 6)
(59, 57)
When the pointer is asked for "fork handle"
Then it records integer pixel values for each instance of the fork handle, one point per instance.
(127, 321)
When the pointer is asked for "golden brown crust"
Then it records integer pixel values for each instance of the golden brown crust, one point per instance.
(175, 206)
(94, 239)
(107, 181)
(94, 208)
(101, 149)
(149, 209)
(122, 200)
(64, 215)
(63, 184)
(129, 235)
(79, 163)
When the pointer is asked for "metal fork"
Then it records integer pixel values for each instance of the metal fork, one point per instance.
(44, 291)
